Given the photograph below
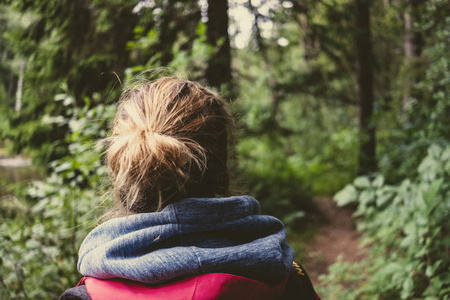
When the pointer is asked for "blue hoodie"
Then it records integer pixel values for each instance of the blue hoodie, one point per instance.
(190, 237)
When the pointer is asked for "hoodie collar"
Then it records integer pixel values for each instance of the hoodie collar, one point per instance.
(191, 237)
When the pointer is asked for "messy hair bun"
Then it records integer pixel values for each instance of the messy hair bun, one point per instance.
(169, 142)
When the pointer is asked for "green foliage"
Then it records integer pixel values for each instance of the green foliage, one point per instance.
(41, 230)
(314, 137)
(407, 228)
(403, 212)
(297, 128)
(72, 47)
(166, 29)
(424, 121)
(274, 180)
(190, 61)
(344, 281)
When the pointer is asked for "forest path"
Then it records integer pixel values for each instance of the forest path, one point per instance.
(336, 236)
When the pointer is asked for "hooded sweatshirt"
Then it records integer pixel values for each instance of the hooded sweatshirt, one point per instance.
(190, 237)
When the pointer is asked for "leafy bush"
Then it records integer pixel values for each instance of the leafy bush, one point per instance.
(39, 242)
(274, 178)
(407, 228)
(425, 120)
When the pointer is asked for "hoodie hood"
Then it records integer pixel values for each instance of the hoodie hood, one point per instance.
(191, 237)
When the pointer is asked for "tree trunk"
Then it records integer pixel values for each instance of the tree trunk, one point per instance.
(168, 35)
(218, 71)
(178, 18)
(408, 47)
(18, 105)
(412, 47)
(367, 143)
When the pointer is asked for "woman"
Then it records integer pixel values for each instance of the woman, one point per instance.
(168, 237)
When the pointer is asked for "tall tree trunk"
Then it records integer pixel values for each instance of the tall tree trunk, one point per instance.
(18, 105)
(367, 143)
(408, 47)
(168, 34)
(412, 47)
(178, 18)
(218, 71)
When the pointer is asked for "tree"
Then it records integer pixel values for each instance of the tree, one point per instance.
(413, 43)
(178, 20)
(80, 43)
(218, 71)
(367, 143)
(70, 47)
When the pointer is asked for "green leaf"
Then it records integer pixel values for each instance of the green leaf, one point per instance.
(201, 29)
(367, 197)
(32, 244)
(409, 241)
(362, 182)
(431, 269)
(378, 181)
(383, 196)
(408, 286)
(393, 267)
(346, 196)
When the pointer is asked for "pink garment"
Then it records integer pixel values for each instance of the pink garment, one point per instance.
(202, 287)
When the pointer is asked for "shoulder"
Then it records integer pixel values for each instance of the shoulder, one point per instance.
(76, 293)
(299, 285)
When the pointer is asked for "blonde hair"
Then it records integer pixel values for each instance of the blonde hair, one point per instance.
(169, 142)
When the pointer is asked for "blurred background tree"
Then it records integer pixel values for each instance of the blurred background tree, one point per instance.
(323, 91)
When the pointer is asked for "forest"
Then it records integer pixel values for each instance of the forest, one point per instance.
(343, 99)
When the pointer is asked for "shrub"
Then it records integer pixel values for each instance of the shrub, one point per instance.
(407, 228)
(39, 242)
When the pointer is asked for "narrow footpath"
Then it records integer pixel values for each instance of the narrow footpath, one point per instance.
(336, 236)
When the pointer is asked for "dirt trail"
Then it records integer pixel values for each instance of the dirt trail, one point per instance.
(337, 236)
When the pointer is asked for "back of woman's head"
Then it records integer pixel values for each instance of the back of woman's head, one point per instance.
(169, 142)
